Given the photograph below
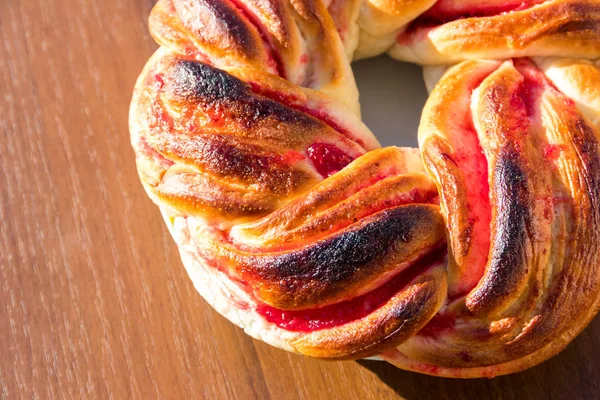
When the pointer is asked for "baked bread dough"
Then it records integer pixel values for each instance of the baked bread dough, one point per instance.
(475, 255)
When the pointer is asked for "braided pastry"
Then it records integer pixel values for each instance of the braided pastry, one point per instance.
(448, 31)
(476, 256)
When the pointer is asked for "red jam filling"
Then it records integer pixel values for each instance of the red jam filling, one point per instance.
(469, 157)
(292, 157)
(440, 323)
(159, 80)
(553, 151)
(328, 158)
(450, 10)
(445, 11)
(294, 102)
(350, 310)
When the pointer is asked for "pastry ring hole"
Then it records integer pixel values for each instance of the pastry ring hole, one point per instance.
(391, 99)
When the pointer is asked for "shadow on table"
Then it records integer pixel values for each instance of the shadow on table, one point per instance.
(574, 374)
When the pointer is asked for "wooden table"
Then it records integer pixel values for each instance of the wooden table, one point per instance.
(94, 302)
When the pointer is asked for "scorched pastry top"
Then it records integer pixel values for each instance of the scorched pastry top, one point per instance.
(476, 256)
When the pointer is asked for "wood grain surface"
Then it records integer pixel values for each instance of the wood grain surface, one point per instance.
(94, 302)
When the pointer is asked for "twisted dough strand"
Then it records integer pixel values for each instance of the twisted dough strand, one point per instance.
(540, 285)
(240, 168)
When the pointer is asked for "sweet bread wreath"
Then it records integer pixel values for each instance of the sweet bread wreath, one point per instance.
(475, 255)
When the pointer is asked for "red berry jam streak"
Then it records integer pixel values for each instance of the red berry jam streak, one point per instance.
(328, 158)
(341, 313)
(445, 11)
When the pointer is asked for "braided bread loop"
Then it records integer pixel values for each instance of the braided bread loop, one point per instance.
(476, 255)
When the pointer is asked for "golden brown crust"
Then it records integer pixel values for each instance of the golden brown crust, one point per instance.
(540, 284)
(293, 39)
(294, 224)
(372, 183)
(381, 21)
(342, 265)
(400, 318)
(230, 133)
(224, 147)
(565, 28)
(449, 31)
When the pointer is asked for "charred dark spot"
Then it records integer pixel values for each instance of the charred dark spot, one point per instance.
(292, 101)
(508, 261)
(513, 216)
(328, 316)
(407, 311)
(232, 23)
(585, 141)
(447, 158)
(340, 257)
(577, 17)
(226, 157)
(193, 80)
(466, 356)
(228, 96)
(570, 291)
(577, 26)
